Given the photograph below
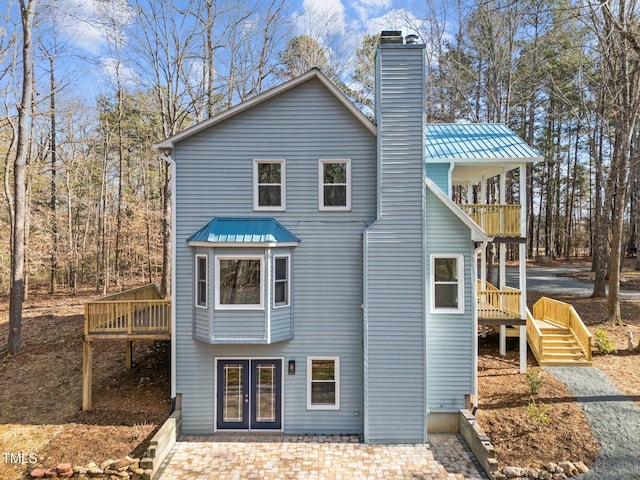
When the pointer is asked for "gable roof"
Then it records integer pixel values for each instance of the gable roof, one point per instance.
(312, 74)
(476, 142)
(477, 233)
(243, 232)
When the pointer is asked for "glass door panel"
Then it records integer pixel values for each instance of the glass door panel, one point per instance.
(233, 394)
(266, 394)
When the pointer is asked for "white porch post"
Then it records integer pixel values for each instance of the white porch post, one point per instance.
(523, 268)
(503, 260)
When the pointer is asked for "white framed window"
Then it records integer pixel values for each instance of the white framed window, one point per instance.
(447, 283)
(323, 383)
(239, 282)
(202, 281)
(281, 281)
(334, 185)
(269, 179)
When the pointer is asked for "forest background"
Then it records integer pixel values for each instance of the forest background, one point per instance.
(88, 87)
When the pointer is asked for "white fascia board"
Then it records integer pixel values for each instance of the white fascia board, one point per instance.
(477, 233)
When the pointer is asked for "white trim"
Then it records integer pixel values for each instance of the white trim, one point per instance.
(197, 280)
(477, 234)
(336, 369)
(215, 394)
(243, 244)
(283, 186)
(314, 73)
(432, 284)
(321, 205)
(273, 281)
(218, 305)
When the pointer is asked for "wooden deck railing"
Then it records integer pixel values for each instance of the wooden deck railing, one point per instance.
(496, 303)
(496, 220)
(564, 314)
(135, 311)
(534, 336)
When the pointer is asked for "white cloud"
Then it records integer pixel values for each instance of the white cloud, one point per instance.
(321, 18)
(113, 68)
(397, 19)
(366, 8)
(88, 24)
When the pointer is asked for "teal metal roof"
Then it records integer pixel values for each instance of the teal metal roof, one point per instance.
(476, 141)
(243, 230)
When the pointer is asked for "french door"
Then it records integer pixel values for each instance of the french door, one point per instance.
(249, 394)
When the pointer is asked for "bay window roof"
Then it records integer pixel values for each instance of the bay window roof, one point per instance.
(245, 232)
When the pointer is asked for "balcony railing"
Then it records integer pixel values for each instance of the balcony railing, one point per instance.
(134, 312)
(496, 220)
(494, 303)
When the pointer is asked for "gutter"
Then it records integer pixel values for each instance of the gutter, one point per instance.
(474, 300)
(166, 156)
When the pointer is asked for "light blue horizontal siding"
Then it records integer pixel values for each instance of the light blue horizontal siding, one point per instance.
(394, 323)
(239, 325)
(439, 173)
(214, 178)
(281, 324)
(449, 337)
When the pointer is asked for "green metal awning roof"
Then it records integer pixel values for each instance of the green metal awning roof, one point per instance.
(243, 231)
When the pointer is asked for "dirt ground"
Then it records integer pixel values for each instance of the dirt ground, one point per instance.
(520, 439)
(41, 391)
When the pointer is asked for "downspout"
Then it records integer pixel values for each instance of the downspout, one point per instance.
(172, 170)
(474, 301)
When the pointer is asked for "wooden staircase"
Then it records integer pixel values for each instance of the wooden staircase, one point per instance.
(557, 336)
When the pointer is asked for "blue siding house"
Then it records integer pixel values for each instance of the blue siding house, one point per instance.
(324, 280)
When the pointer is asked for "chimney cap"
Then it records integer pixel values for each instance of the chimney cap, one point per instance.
(391, 36)
(411, 38)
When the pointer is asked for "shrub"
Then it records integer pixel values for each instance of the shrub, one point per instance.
(534, 381)
(603, 344)
(538, 412)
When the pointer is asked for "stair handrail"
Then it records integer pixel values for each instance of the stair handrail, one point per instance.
(564, 314)
(534, 334)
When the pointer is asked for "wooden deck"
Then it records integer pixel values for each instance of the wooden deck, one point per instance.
(137, 314)
(499, 307)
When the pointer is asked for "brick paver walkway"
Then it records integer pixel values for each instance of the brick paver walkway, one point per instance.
(271, 457)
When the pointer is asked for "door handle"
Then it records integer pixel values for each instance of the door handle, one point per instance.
(246, 398)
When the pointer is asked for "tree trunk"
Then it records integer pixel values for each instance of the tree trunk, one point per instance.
(16, 294)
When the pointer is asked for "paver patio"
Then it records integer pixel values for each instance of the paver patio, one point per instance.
(318, 457)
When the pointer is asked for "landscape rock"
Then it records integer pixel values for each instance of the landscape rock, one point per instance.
(581, 467)
(120, 464)
(51, 473)
(38, 473)
(545, 474)
(81, 470)
(106, 464)
(513, 472)
(566, 467)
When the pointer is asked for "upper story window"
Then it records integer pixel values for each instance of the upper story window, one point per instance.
(239, 282)
(281, 281)
(269, 185)
(334, 184)
(201, 281)
(447, 285)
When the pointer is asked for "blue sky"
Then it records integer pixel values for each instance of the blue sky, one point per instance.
(88, 65)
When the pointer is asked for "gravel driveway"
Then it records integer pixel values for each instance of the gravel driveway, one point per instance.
(614, 419)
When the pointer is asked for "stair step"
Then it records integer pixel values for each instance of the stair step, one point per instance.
(562, 349)
(555, 331)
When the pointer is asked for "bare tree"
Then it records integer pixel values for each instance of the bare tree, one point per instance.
(16, 295)
(616, 26)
